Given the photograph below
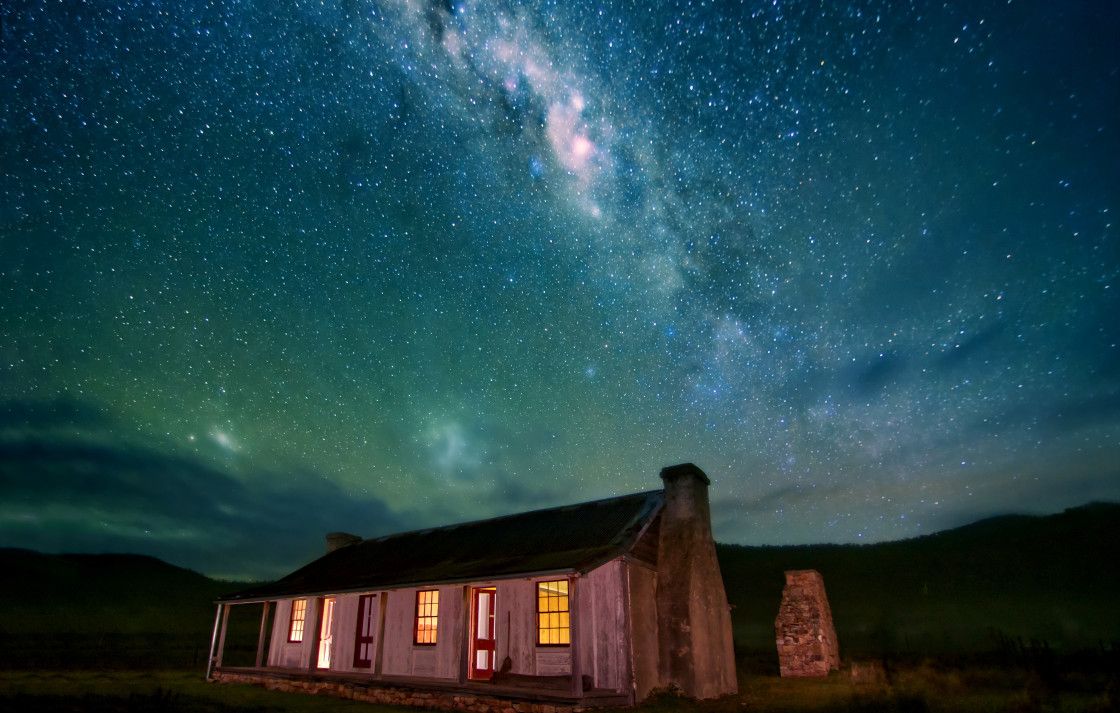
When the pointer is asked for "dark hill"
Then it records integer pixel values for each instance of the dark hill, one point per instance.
(113, 610)
(81, 593)
(1051, 578)
(970, 589)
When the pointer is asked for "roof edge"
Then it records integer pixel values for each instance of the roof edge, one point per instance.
(419, 583)
(625, 546)
(422, 530)
(652, 502)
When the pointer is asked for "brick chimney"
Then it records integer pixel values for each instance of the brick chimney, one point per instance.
(338, 540)
(696, 652)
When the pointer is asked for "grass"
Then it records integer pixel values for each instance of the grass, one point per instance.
(172, 691)
(925, 688)
(922, 688)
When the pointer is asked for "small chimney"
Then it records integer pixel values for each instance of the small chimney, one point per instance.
(686, 497)
(338, 540)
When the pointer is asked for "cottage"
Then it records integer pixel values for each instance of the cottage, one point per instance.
(595, 604)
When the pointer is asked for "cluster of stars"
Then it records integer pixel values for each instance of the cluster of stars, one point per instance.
(857, 260)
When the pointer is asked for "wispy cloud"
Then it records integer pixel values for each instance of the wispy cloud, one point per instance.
(84, 489)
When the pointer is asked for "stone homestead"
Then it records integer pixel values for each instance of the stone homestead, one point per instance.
(588, 605)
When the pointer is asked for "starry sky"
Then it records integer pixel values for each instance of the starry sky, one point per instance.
(273, 269)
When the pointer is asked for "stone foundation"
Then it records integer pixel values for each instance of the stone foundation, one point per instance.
(396, 695)
(804, 631)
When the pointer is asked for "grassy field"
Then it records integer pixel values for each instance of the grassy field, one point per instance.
(910, 690)
(141, 692)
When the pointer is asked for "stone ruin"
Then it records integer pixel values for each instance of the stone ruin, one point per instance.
(804, 632)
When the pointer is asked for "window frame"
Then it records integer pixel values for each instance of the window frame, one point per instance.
(433, 618)
(567, 602)
(302, 621)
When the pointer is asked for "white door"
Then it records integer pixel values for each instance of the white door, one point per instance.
(326, 633)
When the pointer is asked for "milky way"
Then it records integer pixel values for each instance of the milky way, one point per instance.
(273, 269)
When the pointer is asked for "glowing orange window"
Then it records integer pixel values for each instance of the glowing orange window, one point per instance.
(427, 617)
(299, 616)
(553, 623)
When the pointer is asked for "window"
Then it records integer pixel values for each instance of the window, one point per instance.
(299, 615)
(427, 617)
(553, 624)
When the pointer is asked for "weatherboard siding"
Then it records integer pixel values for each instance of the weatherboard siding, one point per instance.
(643, 627)
(403, 657)
(601, 618)
(283, 653)
(515, 621)
(450, 646)
(397, 651)
(345, 624)
(515, 614)
(602, 626)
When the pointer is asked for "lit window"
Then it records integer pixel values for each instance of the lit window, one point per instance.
(427, 616)
(553, 624)
(299, 615)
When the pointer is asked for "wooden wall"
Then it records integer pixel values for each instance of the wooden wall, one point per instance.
(643, 628)
(404, 658)
(602, 623)
(601, 618)
(515, 614)
(345, 625)
(281, 653)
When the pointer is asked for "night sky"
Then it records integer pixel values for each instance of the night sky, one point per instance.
(271, 269)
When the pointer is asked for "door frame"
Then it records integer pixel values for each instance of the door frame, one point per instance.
(473, 672)
(327, 606)
(369, 606)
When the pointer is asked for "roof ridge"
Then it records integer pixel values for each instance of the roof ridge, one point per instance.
(523, 513)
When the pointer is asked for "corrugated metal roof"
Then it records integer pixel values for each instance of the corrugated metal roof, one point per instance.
(573, 537)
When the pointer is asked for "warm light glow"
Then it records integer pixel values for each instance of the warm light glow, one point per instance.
(326, 633)
(299, 615)
(553, 618)
(427, 616)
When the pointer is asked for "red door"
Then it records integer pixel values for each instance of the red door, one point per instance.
(482, 628)
(363, 640)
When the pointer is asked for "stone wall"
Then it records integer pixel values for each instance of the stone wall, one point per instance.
(395, 695)
(696, 653)
(804, 631)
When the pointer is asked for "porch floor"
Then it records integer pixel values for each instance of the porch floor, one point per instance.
(593, 698)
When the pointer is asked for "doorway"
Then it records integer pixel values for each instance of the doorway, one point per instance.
(326, 633)
(483, 637)
(367, 625)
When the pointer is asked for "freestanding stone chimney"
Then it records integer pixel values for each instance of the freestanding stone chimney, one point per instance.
(804, 632)
(696, 651)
